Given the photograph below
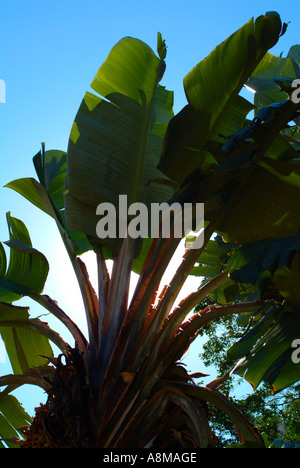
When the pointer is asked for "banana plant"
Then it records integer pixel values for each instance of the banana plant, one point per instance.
(123, 385)
(266, 268)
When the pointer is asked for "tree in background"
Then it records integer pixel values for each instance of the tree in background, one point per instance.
(275, 416)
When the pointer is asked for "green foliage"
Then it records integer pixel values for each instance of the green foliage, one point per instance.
(131, 390)
(124, 128)
(12, 416)
(276, 417)
(47, 194)
(27, 269)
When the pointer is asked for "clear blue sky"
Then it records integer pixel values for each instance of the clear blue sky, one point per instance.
(50, 51)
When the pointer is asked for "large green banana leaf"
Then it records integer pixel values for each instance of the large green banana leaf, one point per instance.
(187, 140)
(25, 273)
(116, 139)
(252, 193)
(266, 352)
(267, 269)
(217, 257)
(258, 262)
(12, 417)
(272, 267)
(237, 179)
(214, 83)
(27, 269)
(212, 89)
(48, 194)
(26, 340)
(272, 71)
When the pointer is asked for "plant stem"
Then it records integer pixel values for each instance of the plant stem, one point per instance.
(40, 327)
(88, 294)
(51, 305)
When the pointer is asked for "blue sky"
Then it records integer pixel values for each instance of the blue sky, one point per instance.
(50, 51)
